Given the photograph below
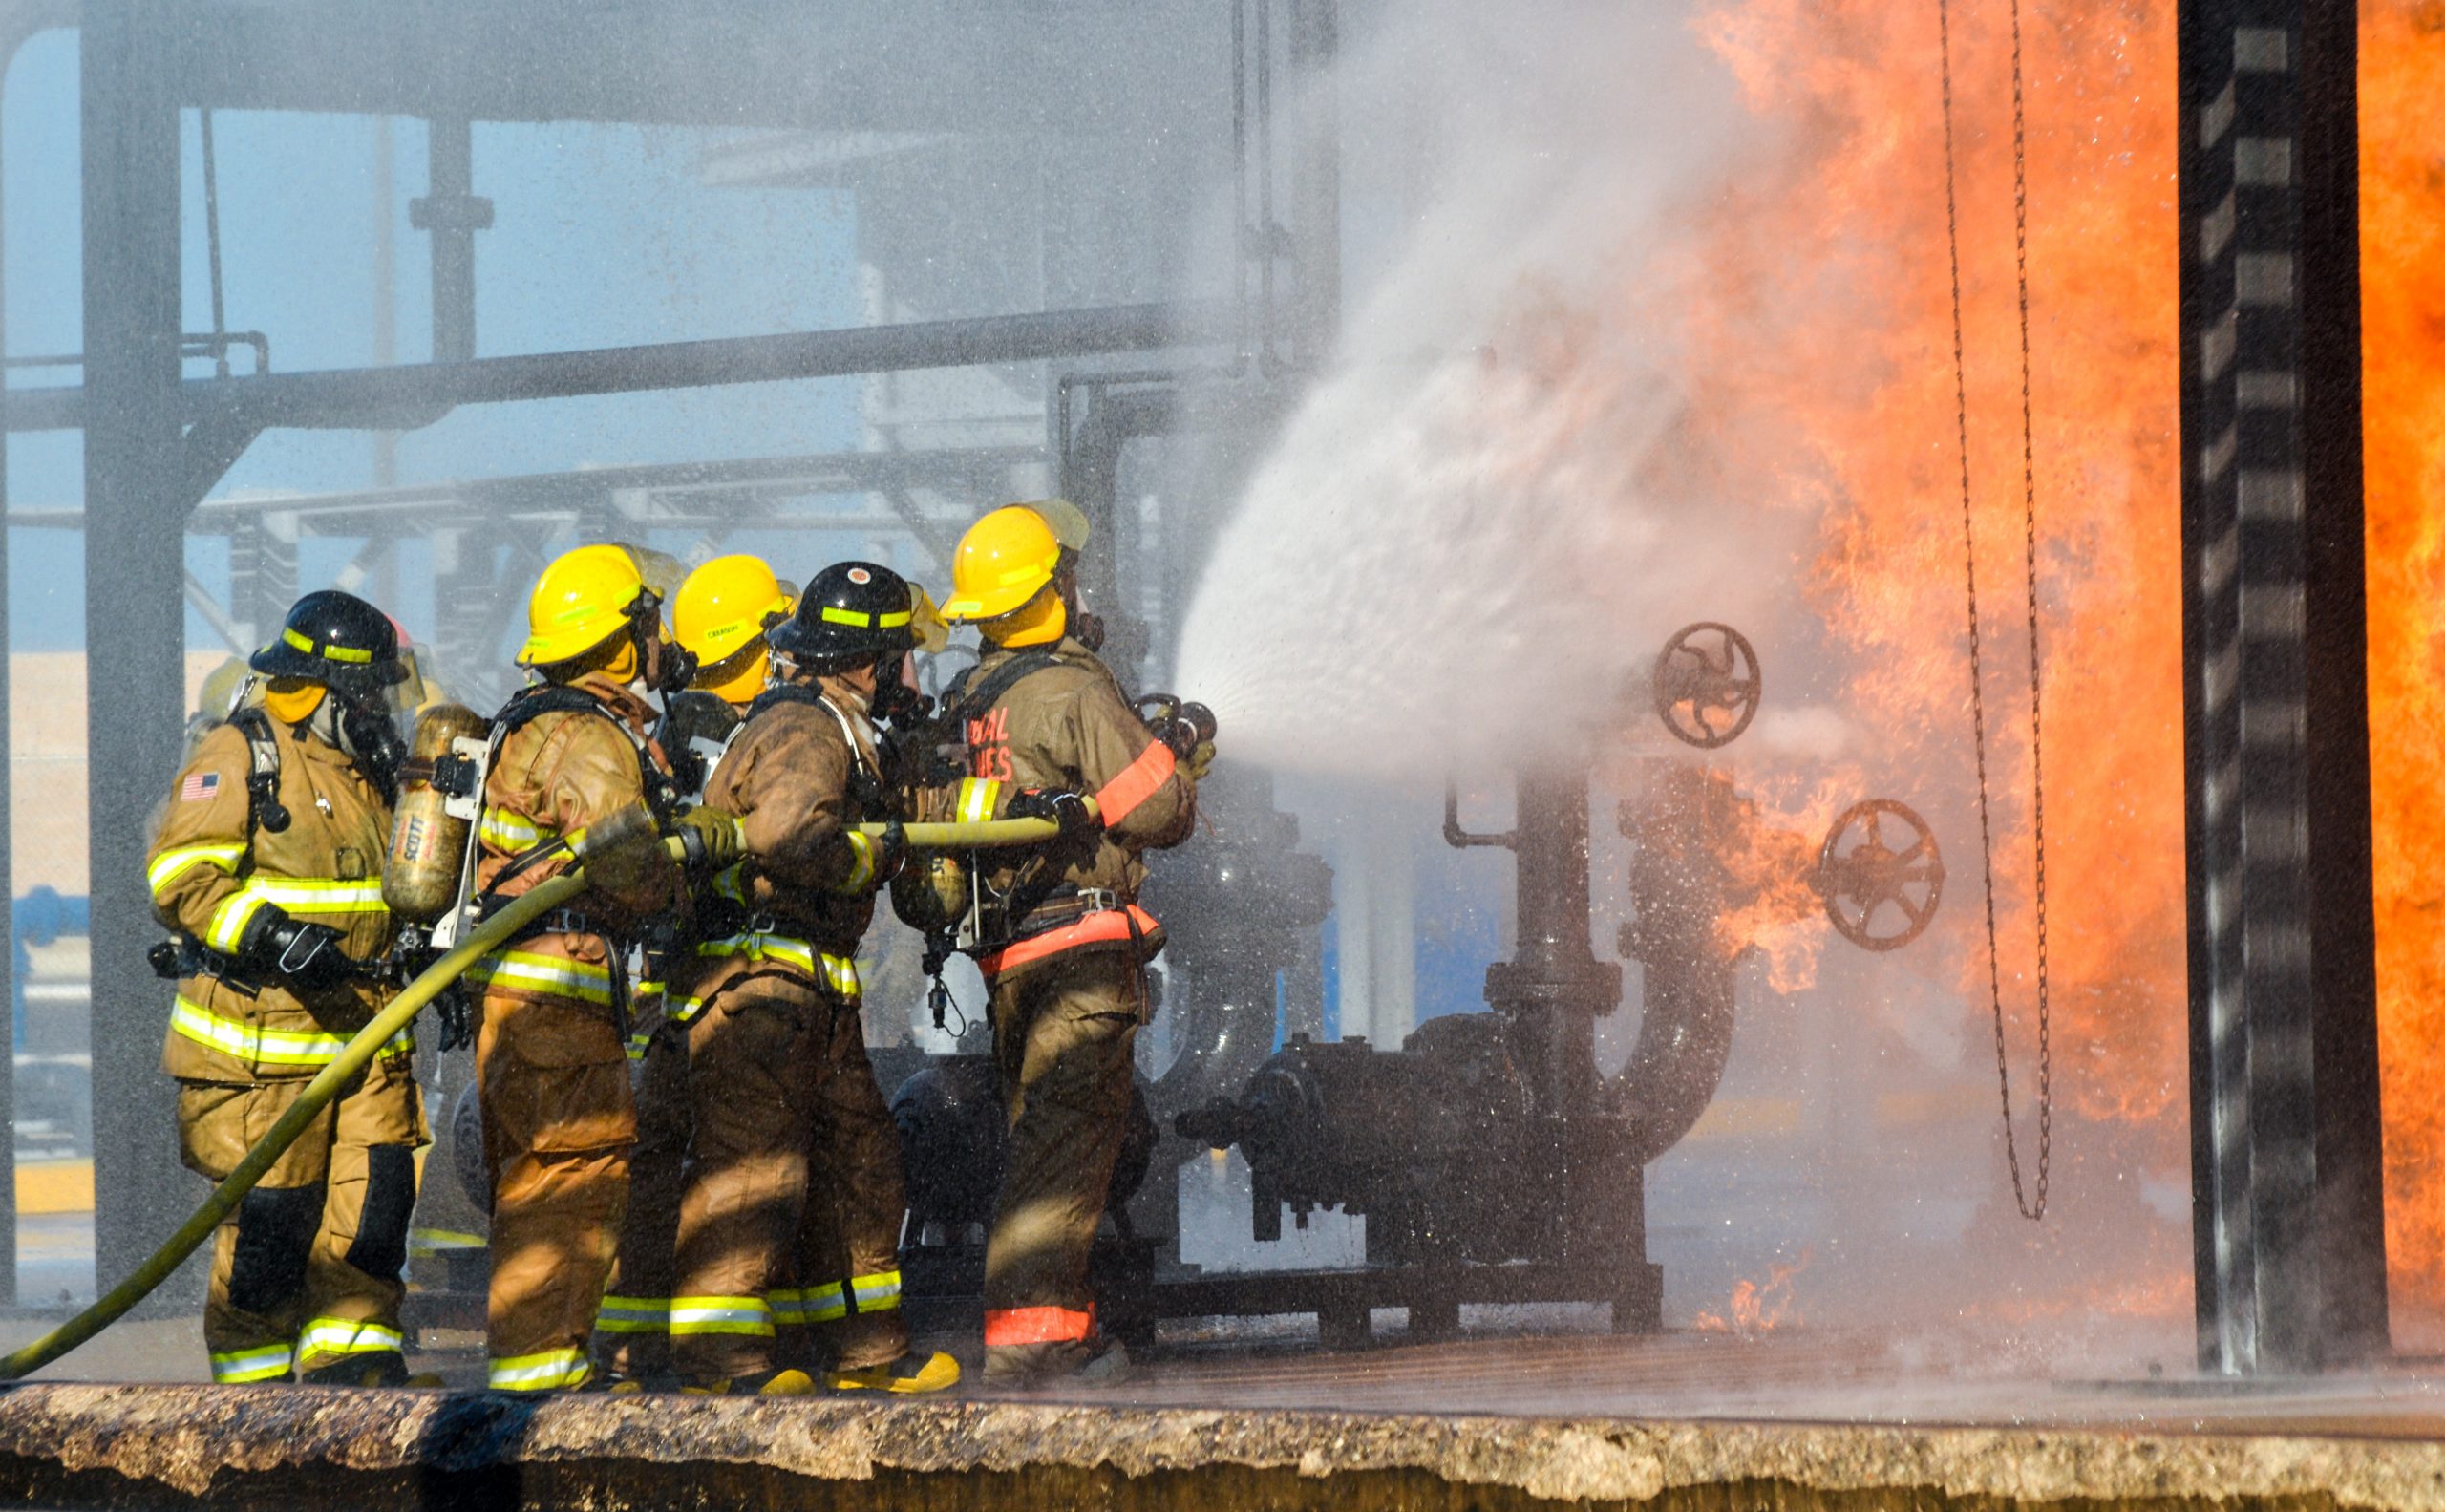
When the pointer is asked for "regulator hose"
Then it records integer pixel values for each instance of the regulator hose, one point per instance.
(319, 1092)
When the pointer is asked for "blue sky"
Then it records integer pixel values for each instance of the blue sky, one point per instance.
(602, 237)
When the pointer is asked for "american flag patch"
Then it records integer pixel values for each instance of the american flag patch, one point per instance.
(198, 787)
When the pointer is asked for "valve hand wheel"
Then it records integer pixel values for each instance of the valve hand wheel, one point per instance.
(1707, 685)
(1880, 875)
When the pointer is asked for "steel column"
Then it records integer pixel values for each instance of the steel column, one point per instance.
(2289, 1239)
(1315, 180)
(134, 617)
(453, 213)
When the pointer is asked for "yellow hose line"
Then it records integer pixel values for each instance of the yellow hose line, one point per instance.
(275, 1143)
(980, 834)
(368, 1043)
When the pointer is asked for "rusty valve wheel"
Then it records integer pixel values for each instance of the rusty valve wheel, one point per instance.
(1707, 685)
(1880, 893)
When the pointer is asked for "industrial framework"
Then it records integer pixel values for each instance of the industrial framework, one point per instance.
(2289, 1218)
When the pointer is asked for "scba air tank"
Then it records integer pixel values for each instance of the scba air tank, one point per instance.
(427, 843)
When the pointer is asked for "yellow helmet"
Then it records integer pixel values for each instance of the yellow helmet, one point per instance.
(582, 599)
(1004, 560)
(721, 613)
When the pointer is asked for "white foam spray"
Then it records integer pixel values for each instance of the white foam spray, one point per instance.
(1487, 511)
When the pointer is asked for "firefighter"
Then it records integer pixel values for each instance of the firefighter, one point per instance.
(794, 1198)
(1050, 734)
(266, 866)
(572, 753)
(719, 617)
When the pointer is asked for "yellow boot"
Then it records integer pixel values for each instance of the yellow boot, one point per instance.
(908, 1375)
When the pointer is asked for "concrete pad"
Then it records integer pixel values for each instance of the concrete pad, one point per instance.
(86, 1445)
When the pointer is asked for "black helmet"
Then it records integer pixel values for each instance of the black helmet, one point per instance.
(851, 610)
(338, 640)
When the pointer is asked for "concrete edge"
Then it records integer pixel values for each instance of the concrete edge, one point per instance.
(184, 1438)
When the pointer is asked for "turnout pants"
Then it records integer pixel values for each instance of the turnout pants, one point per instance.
(1063, 1032)
(789, 1224)
(560, 1120)
(633, 1330)
(305, 1274)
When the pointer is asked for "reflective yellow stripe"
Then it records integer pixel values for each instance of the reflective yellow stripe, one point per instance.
(862, 871)
(318, 895)
(700, 1316)
(270, 1047)
(823, 1304)
(879, 1292)
(239, 1366)
(890, 621)
(295, 895)
(728, 884)
(539, 1373)
(507, 829)
(336, 653)
(633, 1315)
(169, 865)
(583, 979)
(341, 1337)
(685, 1011)
(836, 971)
(230, 920)
(977, 797)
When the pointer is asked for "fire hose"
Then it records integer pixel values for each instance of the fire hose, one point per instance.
(368, 1041)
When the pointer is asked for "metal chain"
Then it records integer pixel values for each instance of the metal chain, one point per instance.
(2021, 1199)
(2036, 725)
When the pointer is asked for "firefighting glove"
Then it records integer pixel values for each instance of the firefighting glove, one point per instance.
(1201, 756)
(1069, 811)
(887, 850)
(458, 1019)
(307, 956)
(711, 839)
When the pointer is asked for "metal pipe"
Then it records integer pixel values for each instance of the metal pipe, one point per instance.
(372, 397)
(1460, 838)
(212, 242)
(453, 214)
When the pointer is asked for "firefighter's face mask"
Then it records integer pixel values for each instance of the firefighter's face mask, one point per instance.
(896, 701)
(370, 733)
(666, 665)
(293, 701)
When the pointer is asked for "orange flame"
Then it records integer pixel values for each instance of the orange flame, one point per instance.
(1757, 1307)
(2402, 236)
(1826, 325)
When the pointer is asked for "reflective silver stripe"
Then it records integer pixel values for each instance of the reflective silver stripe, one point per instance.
(238, 1366)
(507, 829)
(696, 1315)
(879, 1292)
(341, 1337)
(838, 972)
(633, 1315)
(545, 973)
(535, 1373)
(230, 920)
(275, 1047)
(823, 1304)
(729, 883)
(319, 895)
(171, 864)
(297, 894)
(976, 799)
(862, 871)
